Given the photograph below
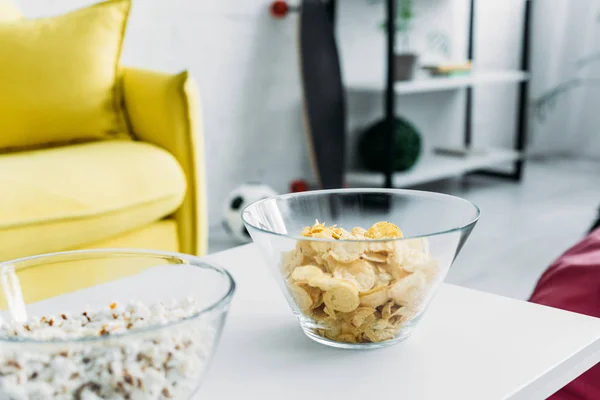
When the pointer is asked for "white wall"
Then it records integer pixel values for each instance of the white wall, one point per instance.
(564, 32)
(247, 69)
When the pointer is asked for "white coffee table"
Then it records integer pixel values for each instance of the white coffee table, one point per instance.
(469, 345)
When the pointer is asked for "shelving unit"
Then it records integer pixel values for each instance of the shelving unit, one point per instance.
(364, 82)
(431, 166)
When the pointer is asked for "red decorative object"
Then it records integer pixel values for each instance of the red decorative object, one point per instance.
(298, 185)
(279, 9)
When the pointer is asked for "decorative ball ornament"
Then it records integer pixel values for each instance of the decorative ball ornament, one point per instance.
(373, 146)
(279, 9)
(237, 200)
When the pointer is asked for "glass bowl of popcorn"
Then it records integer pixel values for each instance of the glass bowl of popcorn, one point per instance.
(359, 267)
(116, 323)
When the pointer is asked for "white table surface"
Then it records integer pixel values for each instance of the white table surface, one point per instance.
(469, 345)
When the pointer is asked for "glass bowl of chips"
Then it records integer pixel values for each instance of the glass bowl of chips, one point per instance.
(359, 267)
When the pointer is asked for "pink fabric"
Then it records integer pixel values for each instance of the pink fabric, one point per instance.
(573, 283)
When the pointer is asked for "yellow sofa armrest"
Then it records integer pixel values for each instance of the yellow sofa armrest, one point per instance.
(164, 110)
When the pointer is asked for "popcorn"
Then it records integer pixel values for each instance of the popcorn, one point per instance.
(163, 364)
(358, 286)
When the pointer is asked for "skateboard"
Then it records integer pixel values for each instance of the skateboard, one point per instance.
(323, 94)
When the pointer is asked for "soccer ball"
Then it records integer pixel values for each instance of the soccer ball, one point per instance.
(237, 200)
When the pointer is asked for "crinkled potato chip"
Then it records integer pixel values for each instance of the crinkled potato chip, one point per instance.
(346, 337)
(303, 300)
(397, 271)
(375, 297)
(347, 252)
(342, 297)
(330, 312)
(360, 272)
(315, 294)
(311, 230)
(291, 260)
(379, 336)
(340, 233)
(408, 290)
(361, 314)
(386, 247)
(358, 232)
(324, 282)
(375, 257)
(383, 278)
(306, 273)
(386, 310)
(384, 230)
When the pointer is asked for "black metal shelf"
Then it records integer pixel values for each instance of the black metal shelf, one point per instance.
(389, 100)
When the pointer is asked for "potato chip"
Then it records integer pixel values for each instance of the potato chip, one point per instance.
(290, 260)
(346, 337)
(360, 315)
(330, 312)
(324, 282)
(358, 232)
(303, 300)
(333, 331)
(315, 294)
(380, 325)
(375, 297)
(384, 230)
(375, 257)
(360, 272)
(370, 320)
(342, 297)
(396, 321)
(306, 273)
(347, 252)
(321, 247)
(409, 312)
(386, 310)
(340, 233)
(305, 248)
(319, 314)
(408, 290)
(382, 278)
(396, 271)
(383, 247)
(309, 231)
(378, 336)
(347, 327)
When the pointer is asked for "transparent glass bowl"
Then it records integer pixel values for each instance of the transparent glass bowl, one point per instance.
(360, 291)
(152, 321)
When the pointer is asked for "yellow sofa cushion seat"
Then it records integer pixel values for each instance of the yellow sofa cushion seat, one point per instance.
(60, 198)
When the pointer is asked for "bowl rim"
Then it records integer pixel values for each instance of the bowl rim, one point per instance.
(194, 261)
(310, 193)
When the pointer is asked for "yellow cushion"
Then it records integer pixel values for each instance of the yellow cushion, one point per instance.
(51, 280)
(159, 235)
(8, 12)
(61, 198)
(58, 76)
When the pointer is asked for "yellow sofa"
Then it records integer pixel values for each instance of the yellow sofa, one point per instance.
(132, 177)
(147, 192)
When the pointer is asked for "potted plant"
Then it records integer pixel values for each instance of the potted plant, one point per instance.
(405, 60)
